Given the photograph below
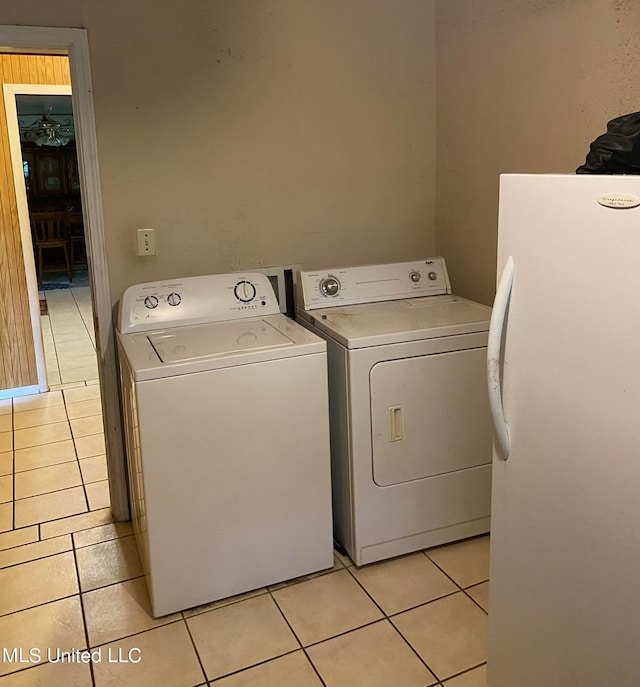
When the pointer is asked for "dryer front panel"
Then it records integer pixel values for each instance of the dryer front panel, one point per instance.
(429, 416)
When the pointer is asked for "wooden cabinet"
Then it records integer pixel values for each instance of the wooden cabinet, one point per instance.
(71, 173)
(51, 175)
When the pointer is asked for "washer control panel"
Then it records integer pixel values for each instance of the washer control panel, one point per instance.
(196, 300)
(372, 283)
(245, 291)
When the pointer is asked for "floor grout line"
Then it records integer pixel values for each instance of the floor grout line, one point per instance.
(82, 611)
(195, 648)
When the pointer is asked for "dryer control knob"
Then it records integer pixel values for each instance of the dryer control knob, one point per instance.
(151, 302)
(415, 277)
(174, 298)
(433, 276)
(329, 286)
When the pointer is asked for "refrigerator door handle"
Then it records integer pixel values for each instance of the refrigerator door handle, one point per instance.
(494, 362)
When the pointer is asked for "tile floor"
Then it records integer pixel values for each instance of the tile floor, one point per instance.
(70, 580)
(69, 339)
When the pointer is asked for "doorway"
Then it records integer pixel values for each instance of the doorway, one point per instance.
(48, 191)
(73, 43)
(28, 200)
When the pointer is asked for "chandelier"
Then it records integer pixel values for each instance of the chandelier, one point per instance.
(47, 131)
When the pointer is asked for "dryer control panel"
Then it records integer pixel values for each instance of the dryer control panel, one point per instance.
(372, 283)
(196, 300)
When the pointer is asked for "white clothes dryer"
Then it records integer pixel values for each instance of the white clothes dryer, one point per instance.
(411, 435)
(227, 437)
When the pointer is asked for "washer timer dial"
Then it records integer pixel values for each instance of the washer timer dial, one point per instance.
(151, 302)
(244, 291)
(329, 286)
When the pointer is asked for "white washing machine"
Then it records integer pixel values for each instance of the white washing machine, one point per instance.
(227, 434)
(411, 436)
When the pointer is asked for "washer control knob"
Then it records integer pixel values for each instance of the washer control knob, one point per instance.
(174, 298)
(151, 302)
(244, 291)
(433, 276)
(329, 286)
(415, 276)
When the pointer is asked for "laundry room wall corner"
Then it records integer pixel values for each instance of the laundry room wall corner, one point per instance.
(522, 87)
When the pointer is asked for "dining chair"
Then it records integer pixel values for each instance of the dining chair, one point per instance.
(50, 230)
(77, 245)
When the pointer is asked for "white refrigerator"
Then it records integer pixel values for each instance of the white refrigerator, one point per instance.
(564, 382)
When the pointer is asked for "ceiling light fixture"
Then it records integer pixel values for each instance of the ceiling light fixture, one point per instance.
(47, 131)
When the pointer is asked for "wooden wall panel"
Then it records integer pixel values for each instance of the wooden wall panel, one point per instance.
(17, 354)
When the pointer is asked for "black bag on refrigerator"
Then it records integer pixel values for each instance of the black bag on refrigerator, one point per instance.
(617, 151)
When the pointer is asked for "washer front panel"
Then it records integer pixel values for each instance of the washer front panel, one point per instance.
(235, 477)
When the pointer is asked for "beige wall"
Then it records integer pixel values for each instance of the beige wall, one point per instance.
(259, 132)
(523, 86)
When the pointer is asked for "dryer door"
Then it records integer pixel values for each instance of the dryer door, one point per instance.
(429, 415)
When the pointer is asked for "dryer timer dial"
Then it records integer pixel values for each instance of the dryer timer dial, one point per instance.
(329, 286)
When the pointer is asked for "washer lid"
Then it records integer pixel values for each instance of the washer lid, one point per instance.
(210, 340)
(191, 349)
(377, 324)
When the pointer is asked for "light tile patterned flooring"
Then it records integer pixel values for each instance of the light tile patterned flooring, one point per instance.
(70, 579)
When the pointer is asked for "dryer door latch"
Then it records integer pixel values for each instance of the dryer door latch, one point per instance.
(396, 424)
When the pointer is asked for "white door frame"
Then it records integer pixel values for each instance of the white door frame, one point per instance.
(13, 131)
(74, 43)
